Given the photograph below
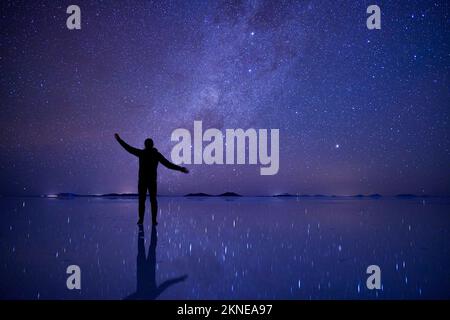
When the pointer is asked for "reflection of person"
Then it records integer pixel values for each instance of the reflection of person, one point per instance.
(149, 157)
(146, 275)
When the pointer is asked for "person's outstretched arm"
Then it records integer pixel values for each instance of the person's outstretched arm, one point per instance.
(166, 163)
(169, 283)
(126, 146)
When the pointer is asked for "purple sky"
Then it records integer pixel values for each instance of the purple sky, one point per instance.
(359, 111)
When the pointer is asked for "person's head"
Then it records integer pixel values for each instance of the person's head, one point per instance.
(148, 143)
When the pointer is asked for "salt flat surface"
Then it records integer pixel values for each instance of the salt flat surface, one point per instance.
(225, 248)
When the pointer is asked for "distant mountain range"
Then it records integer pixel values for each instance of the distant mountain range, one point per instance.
(66, 195)
(283, 195)
(201, 194)
(373, 196)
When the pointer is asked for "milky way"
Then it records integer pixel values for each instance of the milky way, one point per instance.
(359, 111)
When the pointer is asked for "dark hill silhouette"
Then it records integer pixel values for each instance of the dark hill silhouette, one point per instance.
(229, 194)
(201, 194)
(67, 195)
(119, 195)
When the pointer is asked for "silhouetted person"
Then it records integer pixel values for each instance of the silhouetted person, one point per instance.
(149, 158)
(146, 287)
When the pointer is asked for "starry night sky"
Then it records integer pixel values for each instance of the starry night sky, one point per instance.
(359, 111)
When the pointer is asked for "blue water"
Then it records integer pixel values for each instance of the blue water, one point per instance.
(221, 248)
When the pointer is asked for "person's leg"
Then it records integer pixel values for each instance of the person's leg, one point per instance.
(153, 200)
(142, 189)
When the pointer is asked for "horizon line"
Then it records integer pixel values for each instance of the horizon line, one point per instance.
(223, 194)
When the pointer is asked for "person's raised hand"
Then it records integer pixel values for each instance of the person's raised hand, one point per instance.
(184, 170)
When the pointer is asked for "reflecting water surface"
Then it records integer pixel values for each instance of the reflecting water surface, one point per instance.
(146, 268)
(216, 248)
